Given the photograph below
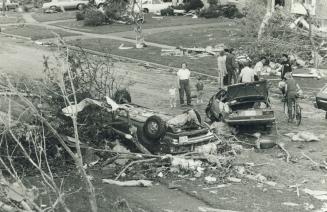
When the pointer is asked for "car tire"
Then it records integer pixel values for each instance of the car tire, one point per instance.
(154, 128)
(149, 144)
(122, 97)
(80, 6)
(146, 10)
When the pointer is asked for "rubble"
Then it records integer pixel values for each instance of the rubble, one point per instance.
(320, 195)
(304, 136)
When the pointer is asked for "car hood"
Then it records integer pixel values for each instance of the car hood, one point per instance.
(323, 93)
(253, 91)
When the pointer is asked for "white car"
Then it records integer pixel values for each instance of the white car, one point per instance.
(154, 6)
(66, 4)
(10, 4)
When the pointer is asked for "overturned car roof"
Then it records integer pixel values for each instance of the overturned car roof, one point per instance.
(248, 91)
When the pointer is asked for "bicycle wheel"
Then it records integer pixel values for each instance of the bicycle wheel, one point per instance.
(298, 114)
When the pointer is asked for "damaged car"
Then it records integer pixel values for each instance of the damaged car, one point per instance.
(321, 100)
(242, 104)
(156, 131)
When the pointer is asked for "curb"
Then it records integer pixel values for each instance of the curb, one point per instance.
(134, 60)
(16, 36)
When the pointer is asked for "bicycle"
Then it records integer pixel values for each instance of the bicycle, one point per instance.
(296, 111)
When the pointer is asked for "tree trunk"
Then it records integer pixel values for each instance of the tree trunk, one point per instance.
(269, 12)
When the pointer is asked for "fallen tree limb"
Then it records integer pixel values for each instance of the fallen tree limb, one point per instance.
(282, 147)
(142, 183)
(206, 209)
(314, 162)
(132, 163)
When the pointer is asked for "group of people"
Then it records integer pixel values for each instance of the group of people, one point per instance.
(228, 74)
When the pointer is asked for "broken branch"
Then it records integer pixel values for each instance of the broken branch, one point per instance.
(132, 163)
(282, 147)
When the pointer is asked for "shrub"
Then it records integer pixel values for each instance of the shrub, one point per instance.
(94, 17)
(212, 2)
(193, 5)
(167, 12)
(114, 11)
(80, 16)
(179, 7)
(209, 13)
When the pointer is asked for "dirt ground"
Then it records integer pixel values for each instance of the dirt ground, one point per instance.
(149, 87)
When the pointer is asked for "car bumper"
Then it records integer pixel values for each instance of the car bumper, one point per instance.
(189, 146)
(250, 121)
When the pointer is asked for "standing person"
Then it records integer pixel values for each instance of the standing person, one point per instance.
(183, 75)
(258, 68)
(286, 66)
(221, 61)
(247, 73)
(291, 91)
(172, 95)
(231, 66)
(199, 89)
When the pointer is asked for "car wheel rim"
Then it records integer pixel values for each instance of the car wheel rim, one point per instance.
(153, 127)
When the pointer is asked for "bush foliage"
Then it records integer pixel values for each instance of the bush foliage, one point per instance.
(167, 12)
(94, 17)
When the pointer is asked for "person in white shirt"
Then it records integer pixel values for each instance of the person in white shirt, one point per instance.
(222, 71)
(258, 68)
(183, 76)
(247, 73)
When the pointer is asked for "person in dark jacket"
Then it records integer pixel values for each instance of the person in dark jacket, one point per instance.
(292, 90)
(231, 66)
(287, 66)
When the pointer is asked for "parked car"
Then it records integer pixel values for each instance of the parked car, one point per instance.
(66, 4)
(242, 104)
(10, 4)
(321, 99)
(154, 6)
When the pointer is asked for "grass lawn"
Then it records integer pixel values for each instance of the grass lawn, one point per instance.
(149, 23)
(35, 32)
(11, 18)
(151, 54)
(44, 17)
(193, 37)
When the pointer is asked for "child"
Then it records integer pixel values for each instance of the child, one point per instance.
(172, 96)
(292, 90)
(199, 88)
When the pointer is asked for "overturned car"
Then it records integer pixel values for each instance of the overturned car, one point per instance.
(242, 104)
(156, 131)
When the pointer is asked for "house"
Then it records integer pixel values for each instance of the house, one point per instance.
(317, 8)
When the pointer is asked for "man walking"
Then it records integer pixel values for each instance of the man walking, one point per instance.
(183, 75)
(231, 66)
